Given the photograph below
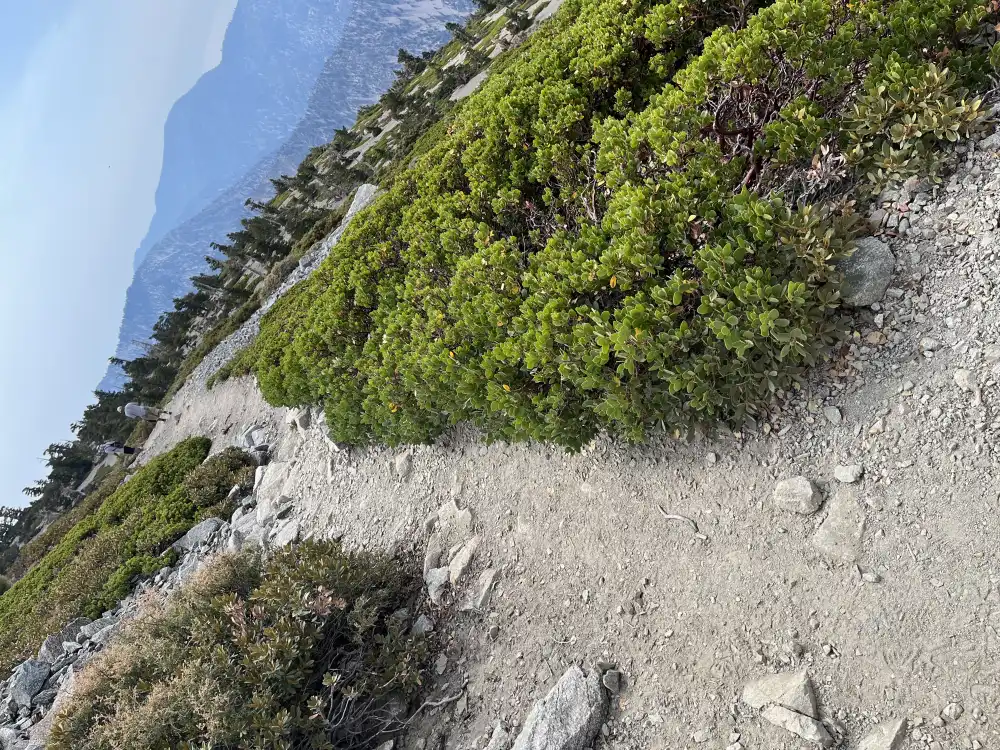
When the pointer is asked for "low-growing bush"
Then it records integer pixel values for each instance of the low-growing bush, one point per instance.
(300, 652)
(97, 560)
(611, 234)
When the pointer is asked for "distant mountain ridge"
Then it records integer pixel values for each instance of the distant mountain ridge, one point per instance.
(244, 108)
(356, 71)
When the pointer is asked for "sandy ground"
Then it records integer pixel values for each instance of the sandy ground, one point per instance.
(590, 568)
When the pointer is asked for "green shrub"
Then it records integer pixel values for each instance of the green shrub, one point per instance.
(596, 241)
(302, 652)
(96, 561)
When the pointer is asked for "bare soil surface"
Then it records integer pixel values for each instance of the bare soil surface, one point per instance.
(899, 621)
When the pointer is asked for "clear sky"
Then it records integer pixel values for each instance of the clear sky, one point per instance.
(85, 89)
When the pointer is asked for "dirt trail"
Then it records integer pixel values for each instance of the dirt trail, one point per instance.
(591, 569)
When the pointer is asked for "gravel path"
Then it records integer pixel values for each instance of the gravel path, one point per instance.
(889, 594)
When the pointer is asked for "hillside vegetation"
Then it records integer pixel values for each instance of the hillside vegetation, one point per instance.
(635, 222)
(90, 567)
(302, 651)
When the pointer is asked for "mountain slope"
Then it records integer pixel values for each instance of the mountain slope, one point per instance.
(359, 68)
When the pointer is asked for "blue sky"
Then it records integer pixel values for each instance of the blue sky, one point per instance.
(85, 89)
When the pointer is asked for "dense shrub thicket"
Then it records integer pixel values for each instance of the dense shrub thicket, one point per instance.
(303, 652)
(95, 562)
(633, 223)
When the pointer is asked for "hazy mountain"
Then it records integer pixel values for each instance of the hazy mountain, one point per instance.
(245, 108)
(357, 68)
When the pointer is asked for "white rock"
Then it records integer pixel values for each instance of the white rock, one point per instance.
(965, 380)
(797, 495)
(790, 689)
(848, 474)
(927, 344)
(833, 415)
(287, 534)
(804, 726)
(403, 464)
(460, 562)
(889, 735)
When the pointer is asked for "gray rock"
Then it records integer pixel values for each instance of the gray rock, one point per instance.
(797, 495)
(288, 534)
(848, 474)
(833, 415)
(867, 272)
(300, 418)
(480, 596)
(612, 680)
(432, 557)
(96, 626)
(569, 717)
(460, 563)
(888, 735)
(12, 739)
(437, 581)
(101, 637)
(27, 681)
(927, 344)
(52, 648)
(499, 740)
(423, 625)
(789, 689)
(403, 464)
(804, 726)
(991, 143)
(272, 488)
(44, 697)
(198, 535)
(965, 380)
(839, 536)
(952, 712)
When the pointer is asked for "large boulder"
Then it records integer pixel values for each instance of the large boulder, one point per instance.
(27, 681)
(867, 272)
(569, 717)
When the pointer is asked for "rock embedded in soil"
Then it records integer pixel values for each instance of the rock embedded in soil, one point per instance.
(848, 474)
(790, 689)
(403, 464)
(889, 735)
(965, 380)
(803, 726)
(436, 580)
(462, 559)
(867, 272)
(797, 495)
(839, 536)
(833, 415)
(569, 717)
(479, 598)
(499, 740)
